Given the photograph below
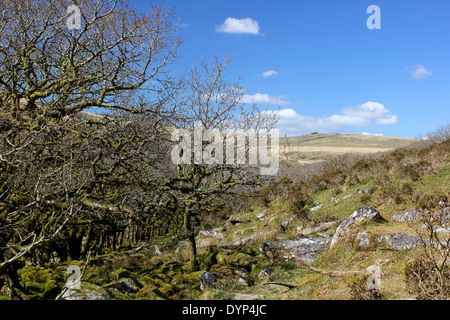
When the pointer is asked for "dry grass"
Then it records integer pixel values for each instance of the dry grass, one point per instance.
(337, 150)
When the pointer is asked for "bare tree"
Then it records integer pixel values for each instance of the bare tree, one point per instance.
(118, 51)
(442, 133)
(210, 108)
(61, 168)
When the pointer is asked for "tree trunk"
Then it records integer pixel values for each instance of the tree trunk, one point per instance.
(12, 282)
(191, 237)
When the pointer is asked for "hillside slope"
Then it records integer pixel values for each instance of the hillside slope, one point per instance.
(318, 147)
(277, 243)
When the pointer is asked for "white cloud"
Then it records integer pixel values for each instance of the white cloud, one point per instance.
(369, 110)
(366, 115)
(420, 72)
(233, 25)
(390, 120)
(269, 73)
(264, 98)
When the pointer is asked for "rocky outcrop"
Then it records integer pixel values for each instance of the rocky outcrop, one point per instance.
(358, 217)
(249, 239)
(410, 215)
(265, 273)
(303, 250)
(400, 241)
(236, 220)
(124, 286)
(362, 240)
(261, 215)
(413, 215)
(316, 207)
(232, 272)
(208, 238)
(206, 280)
(86, 291)
(395, 241)
(314, 230)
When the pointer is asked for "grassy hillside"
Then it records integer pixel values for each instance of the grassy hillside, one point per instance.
(285, 210)
(318, 147)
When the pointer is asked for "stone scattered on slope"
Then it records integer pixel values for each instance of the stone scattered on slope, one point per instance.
(400, 241)
(261, 215)
(236, 220)
(303, 250)
(208, 238)
(410, 215)
(316, 207)
(265, 273)
(249, 239)
(358, 217)
(323, 227)
(395, 241)
(206, 280)
(414, 214)
(124, 285)
(86, 291)
(363, 240)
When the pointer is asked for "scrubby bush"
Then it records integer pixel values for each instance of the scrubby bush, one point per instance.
(428, 276)
(426, 280)
(440, 134)
(299, 202)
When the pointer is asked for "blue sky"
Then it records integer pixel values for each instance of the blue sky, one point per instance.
(322, 66)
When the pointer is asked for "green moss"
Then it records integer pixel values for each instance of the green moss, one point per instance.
(191, 293)
(150, 292)
(222, 271)
(166, 290)
(34, 287)
(192, 278)
(31, 273)
(178, 279)
(208, 260)
(235, 259)
(163, 277)
(51, 289)
(124, 273)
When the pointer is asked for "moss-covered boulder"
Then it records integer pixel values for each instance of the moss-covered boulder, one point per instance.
(187, 279)
(124, 273)
(40, 283)
(125, 286)
(155, 292)
(34, 274)
(148, 293)
(229, 272)
(237, 259)
(51, 289)
(208, 259)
